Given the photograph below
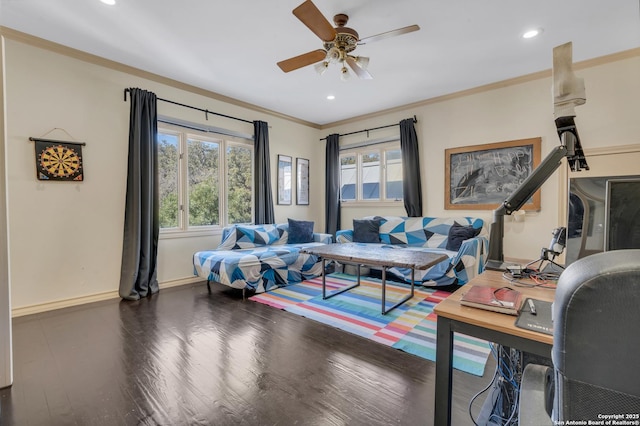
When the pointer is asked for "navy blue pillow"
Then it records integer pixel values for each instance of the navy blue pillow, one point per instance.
(300, 231)
(458, 233)
(366, 230)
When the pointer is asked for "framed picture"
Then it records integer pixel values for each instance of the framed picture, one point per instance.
(481, 177)
(302, 181)
(284, 179)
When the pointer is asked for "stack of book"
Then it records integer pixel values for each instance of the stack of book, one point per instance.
(498, 299)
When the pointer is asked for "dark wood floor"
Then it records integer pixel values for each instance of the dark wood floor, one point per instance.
(186, 357)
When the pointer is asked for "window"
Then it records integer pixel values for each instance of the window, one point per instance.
(205, 182)
(371, 174)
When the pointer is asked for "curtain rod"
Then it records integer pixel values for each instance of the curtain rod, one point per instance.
(415, 120)
(203, 127)
(206, 111)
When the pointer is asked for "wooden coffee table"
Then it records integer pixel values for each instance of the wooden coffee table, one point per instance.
(384, 257)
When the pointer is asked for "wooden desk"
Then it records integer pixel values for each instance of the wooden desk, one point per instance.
(491, 326)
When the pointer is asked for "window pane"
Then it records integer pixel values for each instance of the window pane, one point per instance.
(394, 174)
(168, 155)
(348, 177)
(203, 182)
(240, 187)
(371, 176)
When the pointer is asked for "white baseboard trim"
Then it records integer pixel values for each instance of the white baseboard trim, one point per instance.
(179, 282)
(99, 297)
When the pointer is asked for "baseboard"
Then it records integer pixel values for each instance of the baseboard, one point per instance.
(181, 281)
(64, 303)
(99, 297)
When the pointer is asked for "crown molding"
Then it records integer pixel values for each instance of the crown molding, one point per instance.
(41, 43)
(107, 63)
(589, 63)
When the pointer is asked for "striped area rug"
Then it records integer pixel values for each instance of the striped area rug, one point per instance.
(410, 327)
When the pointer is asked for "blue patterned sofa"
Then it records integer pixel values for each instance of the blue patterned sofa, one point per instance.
(463, 239)
(259, 258)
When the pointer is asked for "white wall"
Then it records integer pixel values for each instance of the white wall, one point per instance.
(6, 351)
(608, 119)
(66, 238)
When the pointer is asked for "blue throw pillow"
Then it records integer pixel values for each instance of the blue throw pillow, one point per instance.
(458, 233)
(366, 230)
(300, 231)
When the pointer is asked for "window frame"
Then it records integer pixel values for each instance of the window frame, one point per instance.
(184, 230)
(359, 151)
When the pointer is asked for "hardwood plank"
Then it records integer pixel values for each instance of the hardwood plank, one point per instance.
(187, 357)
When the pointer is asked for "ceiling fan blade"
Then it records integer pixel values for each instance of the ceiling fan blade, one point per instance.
(393, 33)
(302, 60)
(309, 14)
(360, 72)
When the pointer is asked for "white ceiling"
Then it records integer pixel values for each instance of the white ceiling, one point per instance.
(231, 47)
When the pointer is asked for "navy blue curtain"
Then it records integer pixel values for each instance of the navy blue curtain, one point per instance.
(262, 179)
(411, 184)
(138, 276)
(332, 185)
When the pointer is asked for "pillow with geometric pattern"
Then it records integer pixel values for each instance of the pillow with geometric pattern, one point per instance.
(248, 237)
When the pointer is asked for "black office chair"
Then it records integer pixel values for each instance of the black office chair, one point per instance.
(596, 345)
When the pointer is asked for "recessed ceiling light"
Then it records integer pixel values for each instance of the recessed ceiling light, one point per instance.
(532, 33)
(331, 97)
(109, 2)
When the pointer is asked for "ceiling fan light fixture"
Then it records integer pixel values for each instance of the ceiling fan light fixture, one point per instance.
(338, 42)
(334, 55)
(321, 67)
(344, 74)
(362, 61)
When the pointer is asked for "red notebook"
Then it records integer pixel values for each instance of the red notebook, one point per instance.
(497, 299)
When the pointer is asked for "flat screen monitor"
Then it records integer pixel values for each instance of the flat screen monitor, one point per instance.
(622, 214)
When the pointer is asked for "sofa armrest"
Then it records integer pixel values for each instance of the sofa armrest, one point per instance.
(344, 236)
(322, 238)
(469, 261)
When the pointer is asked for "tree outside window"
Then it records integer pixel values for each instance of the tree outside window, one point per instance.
(203, 182)
(168, 156)
(212, 177)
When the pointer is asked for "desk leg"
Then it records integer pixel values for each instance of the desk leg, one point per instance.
(444, 372)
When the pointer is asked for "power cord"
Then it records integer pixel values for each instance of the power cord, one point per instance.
(505, 380)
(536, 278)
(495, 375)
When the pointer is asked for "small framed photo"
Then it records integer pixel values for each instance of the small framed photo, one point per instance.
(284, 179)
(302, 181)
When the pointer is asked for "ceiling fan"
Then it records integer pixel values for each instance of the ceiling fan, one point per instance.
(338, 43)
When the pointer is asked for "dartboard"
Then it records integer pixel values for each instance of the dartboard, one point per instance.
(61, 162)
